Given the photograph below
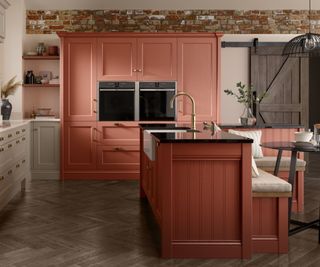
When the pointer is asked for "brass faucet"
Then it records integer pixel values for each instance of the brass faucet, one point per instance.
(193, 114)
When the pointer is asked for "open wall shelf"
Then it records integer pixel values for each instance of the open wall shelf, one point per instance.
(41, 85)
(41, 57)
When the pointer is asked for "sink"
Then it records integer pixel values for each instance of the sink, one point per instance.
(149, 143)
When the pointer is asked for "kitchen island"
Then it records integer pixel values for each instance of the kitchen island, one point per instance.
(198, 185)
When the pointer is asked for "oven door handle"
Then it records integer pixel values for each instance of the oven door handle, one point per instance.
(157, 90)
(116, 90)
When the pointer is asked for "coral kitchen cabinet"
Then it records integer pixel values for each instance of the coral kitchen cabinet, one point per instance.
(94, 149)
(100, 150)
(79, 79)
(199, 75)
(144, 59)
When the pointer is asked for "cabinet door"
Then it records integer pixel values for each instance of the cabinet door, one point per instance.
(157, 59)
(117, 59)
(79, 146)
(79, 79)
(46, 146)
(198, 75)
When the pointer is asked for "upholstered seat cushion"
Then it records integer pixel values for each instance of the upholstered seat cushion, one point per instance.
(267, 182)
(268, 163)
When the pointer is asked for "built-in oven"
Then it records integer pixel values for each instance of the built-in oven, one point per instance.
(116, 101)
(154, 101)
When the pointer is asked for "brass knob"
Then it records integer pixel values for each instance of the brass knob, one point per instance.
(9, 172)
(94, 111)
(118, 149)
(18, 165)
(134, 70)
(10, 145)
(1, 138)
(17, 132)
(23, 139)
(1, 178)
(94, 100)
(23, 130)
(24, 161)
(139, 70)
(118, 124)
(17, 142)
(1, 149)
(9, 135)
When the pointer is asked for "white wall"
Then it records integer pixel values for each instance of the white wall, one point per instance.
(12, 49)
(170, 4)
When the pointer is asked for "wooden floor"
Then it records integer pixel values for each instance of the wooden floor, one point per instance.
(83, 223)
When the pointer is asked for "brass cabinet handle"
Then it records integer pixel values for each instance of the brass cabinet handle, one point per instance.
(1, 178)
(23, 130)
(118, 124)
(119, 149)
(1, 149)
(1, 138)
(94, 111)
(18, 141)
(10, 145)
(134, 70)
(23, 161)
(17, 132)
(23, 138)
(94, 100)
(9, 172)
(18, 165)
(9, 135)
(139, 70)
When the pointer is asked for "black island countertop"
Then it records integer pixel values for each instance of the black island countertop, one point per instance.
(200, 136)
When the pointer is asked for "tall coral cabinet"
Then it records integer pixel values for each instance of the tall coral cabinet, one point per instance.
(93, 149)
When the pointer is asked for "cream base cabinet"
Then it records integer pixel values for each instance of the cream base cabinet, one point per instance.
(14, 160)
(45, 150)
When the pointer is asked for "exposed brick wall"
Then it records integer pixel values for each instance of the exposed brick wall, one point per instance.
(227, 21)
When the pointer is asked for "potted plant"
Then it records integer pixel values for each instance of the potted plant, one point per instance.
(246, 96)
(7, 89)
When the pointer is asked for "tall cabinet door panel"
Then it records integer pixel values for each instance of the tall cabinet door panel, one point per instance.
(79, 146)
(117, 58)
(198, 75)
(157, 59)
(79, 79)
(45, 146)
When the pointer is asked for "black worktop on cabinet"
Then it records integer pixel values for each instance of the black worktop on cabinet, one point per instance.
(201, 136)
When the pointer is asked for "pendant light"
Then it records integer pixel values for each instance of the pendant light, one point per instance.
(305, 45)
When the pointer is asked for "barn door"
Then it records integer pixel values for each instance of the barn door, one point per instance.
(286, 81)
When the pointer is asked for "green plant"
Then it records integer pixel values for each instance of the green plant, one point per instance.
(9, 88)
(245, 94)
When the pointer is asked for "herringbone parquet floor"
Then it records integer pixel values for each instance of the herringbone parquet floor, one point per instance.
(103, 223)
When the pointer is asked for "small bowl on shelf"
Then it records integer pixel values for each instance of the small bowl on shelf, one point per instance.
(43, 111)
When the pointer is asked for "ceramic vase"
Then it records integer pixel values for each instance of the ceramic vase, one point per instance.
(6, 108)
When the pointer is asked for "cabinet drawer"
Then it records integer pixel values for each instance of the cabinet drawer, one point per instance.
(116, 158)
(9, 135)
(20, 166)
(118, 133)
(6, 177)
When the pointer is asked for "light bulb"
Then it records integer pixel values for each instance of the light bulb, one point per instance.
(309, 44)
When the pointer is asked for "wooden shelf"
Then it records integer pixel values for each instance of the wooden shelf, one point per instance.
(41, 85)
(41, 57)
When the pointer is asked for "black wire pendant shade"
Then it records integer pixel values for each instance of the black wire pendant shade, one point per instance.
(305, 45)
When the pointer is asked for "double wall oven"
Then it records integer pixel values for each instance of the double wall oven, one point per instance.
(140, 101)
